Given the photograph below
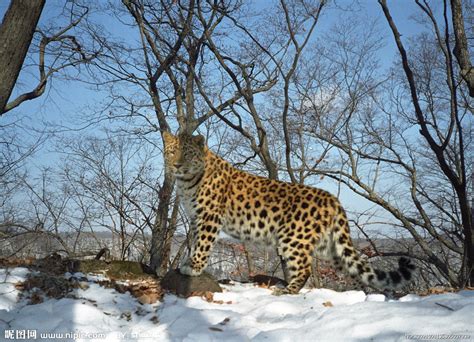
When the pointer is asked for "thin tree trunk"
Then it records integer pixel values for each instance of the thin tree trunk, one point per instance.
(461, 48)
(315, 275)
(467, 276)
(166, 247)
(177, 257)
(159, 233)
(16, 33)
(249, 259)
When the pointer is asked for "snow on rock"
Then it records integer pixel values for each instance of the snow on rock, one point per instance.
(8, 293)
(242, 312)
(375, 298)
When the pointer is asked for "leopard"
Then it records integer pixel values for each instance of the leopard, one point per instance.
(301, 221)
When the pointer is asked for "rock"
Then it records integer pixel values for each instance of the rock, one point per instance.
(83, 285)
(186, 286)
(114, 269)
(52, 264)
(50, 285)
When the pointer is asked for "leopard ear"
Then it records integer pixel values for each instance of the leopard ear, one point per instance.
(168, 137)
(199, 140)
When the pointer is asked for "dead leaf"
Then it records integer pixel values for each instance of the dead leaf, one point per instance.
(436, 290)
(215, 329)
(35, 299)
(209, 296)
(225, 321)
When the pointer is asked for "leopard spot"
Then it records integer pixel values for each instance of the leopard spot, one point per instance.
(342, 239)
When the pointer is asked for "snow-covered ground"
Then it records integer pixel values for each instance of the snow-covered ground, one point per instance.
(242, 313)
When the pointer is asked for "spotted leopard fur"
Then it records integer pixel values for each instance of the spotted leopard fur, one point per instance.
(299, 220)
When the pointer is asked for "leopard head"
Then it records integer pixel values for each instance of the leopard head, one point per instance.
(184, 154)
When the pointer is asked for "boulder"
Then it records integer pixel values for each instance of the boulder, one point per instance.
(187, 286)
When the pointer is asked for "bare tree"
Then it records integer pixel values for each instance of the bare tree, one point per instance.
(361, 135)
(38, 218)
(50, 49)
(16, 33)
(14, 156)
(114, 175)
(438, 137)
(172, 69)
(56, 50)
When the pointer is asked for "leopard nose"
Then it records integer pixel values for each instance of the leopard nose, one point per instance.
(177, 165)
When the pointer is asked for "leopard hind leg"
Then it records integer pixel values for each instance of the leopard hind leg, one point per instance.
(298, 261)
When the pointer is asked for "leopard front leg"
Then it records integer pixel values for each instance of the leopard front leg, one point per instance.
(204, 237)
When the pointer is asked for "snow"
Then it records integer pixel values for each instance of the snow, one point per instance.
(242, 312)
(8, 293)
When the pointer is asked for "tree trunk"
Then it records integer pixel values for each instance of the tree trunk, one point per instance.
(461, 48)
(177, 257)
(16, 33)
(160, 229)
(249, 259)
(166, 246)
(467, 273)
(315, 275)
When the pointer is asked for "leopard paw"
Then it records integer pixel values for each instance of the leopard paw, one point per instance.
(278, 291)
